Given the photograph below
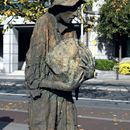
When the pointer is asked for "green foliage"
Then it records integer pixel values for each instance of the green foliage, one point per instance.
(103, 64)
(31, 11)
(88, 21)
(114, 19)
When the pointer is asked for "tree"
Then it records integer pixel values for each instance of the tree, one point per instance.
(114, 21)
(29, 9)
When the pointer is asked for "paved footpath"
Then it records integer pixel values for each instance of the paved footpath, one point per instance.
(106, 79)
(14, 116)
(14, 126)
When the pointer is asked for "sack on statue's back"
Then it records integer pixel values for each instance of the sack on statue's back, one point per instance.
(70, 62)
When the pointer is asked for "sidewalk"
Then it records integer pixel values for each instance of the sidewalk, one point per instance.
(107, 80)
(14, 126)
(103, 80)
(14, 75)
(5, 78)
(105, 76)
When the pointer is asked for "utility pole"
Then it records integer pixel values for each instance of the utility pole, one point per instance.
(82, 25)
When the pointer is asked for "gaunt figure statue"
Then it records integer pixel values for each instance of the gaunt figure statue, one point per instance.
(56, 64)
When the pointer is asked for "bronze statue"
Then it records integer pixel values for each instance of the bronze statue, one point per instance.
(56, 64)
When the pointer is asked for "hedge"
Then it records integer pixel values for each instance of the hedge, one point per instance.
(104, 64)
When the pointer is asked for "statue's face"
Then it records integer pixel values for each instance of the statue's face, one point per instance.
(69, 17)
(64, 2)
(75, 18)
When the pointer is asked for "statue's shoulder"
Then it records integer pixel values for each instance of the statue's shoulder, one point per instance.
(47, 17)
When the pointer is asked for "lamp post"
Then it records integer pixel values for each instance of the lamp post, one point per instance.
(82, 25)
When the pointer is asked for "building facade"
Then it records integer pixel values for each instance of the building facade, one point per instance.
(103, 50)
(14, 43)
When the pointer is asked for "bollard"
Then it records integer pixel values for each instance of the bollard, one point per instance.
(117, 71)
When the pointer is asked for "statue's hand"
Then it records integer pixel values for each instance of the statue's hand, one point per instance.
(55, 85)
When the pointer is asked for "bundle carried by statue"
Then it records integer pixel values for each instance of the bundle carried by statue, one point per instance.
(70, 62)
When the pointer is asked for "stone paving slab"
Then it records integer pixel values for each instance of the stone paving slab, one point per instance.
(14, 105)
(15, 126)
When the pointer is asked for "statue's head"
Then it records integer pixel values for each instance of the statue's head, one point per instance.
(65, 11)
(61, 6)
(65, 2)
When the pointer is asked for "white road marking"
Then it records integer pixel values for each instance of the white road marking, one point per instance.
(14, 94)
(104, 100)
(105, 119)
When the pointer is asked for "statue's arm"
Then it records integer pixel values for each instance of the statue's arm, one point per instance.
(32, 78)
(59, 85)
(33, 82)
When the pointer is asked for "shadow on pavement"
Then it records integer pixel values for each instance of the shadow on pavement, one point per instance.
(4, 121)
